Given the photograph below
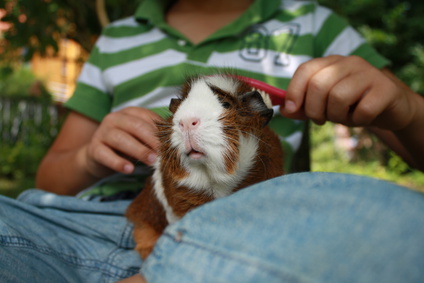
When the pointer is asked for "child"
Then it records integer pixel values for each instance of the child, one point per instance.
(329, 72)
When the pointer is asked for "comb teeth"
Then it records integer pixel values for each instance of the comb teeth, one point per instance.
(276, 95)
(265, 97)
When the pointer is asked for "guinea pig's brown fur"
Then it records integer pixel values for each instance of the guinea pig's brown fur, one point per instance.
(197, 164)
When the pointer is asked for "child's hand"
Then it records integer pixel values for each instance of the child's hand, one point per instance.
(350, 91)
(129, 132)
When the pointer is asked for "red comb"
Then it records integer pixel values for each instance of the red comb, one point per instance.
(276, 95)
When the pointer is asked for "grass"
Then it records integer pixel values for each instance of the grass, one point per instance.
(326, 157)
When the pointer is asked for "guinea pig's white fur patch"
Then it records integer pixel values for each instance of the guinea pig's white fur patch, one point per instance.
(230, 85)
(160, 193)
(201, 103)
(223, 82)
(209, 174)
(215, 179)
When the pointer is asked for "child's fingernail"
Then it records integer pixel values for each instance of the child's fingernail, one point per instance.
(290, 106)
(128, 168)
(152, 158)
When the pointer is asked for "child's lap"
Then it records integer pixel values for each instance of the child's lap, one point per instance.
(45, 237)
(329, 227)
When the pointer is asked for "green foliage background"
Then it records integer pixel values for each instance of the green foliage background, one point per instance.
(394, 28)
(382, 164)
(39, 24)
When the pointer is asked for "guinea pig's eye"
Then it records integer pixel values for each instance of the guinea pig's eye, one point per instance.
(226, 105)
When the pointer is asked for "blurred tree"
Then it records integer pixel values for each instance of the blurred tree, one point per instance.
(394, 28)
(39, 24)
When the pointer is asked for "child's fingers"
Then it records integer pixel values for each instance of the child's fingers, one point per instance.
(298, 87)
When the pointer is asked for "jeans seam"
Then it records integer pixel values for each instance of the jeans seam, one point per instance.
(126, 240)
(90, 264)
(287, 275)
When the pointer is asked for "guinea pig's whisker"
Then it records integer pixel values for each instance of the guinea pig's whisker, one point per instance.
(255, 137)
(170, 151)
(262, 161)
(236, 141)
(168, 165)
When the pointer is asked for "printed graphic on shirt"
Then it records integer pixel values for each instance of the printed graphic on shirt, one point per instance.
(257, 41)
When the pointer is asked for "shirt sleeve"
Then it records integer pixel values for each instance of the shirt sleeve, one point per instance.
(91, 97)
(336, 37)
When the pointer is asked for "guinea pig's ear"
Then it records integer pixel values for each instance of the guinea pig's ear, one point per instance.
(256, 103)
(173, 105)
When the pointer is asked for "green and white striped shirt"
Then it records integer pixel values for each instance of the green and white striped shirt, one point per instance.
(141, 61)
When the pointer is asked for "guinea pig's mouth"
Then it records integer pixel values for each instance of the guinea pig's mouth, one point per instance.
(194, 154)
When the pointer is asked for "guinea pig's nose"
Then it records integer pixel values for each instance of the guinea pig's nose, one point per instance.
(189, 124)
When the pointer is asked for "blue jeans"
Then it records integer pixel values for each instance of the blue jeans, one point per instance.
(309, 227)
(50, 238)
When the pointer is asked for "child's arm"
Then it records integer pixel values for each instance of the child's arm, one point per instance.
(86, 151)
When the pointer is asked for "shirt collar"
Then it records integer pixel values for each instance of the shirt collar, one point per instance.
(152, 11)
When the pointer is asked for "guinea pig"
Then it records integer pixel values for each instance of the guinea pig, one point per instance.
(215, 143)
